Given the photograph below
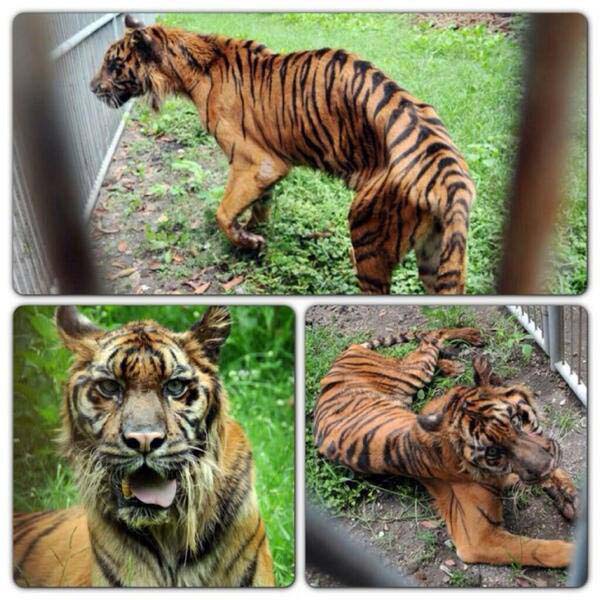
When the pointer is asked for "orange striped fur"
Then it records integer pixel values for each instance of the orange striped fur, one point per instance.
(326, 109)
(144, 409)
(465, 446)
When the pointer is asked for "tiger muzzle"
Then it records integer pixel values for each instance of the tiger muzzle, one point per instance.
(534, 457)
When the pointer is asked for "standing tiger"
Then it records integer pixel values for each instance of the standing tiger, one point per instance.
(326, 109)
(465, 446)
(165, 475)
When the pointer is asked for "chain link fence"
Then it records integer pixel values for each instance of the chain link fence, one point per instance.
(73, 45)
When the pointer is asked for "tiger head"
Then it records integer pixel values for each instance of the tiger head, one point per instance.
(143, 416)
(149, 61)
(494, 429)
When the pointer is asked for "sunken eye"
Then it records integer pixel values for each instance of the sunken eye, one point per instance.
(493, 452)
(175, 387)
(108, 387)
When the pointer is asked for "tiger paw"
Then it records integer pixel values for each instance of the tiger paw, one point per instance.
(450, 368)
(563, 493)
(250, 241)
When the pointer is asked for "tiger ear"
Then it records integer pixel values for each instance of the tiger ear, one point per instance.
(430, 423)
(133, 23)
(483, 371)
(211, 331)
(77, 332)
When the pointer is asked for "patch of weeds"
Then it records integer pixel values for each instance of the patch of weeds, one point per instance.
(133, 204)
(178, 119)
(510, 345)
(523, 495)
(440, 317)
(562, 419)
(430, 545)
(462, 579)
(516, 571)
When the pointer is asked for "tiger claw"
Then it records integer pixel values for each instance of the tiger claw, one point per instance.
(249, 241)
(564, 495)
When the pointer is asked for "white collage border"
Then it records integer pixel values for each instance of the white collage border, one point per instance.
(10, 300)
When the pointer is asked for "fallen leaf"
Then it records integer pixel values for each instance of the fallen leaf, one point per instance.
(233, 282)
(430, 524)
(522, 582)
(450, 563)
(122, 273)
(122, 246)
(177, 258)
(155, 265)
(162, 219)
(198, 287)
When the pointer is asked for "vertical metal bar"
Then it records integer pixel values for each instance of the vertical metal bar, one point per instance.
(553, 342)
(571, 308)
(580, 348)
(544, 310)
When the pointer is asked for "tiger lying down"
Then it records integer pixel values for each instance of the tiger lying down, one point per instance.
(165, 475)
(325, 109)
(465, 447)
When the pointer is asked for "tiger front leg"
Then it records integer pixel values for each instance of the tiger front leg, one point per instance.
(247, 183)
(473, 515)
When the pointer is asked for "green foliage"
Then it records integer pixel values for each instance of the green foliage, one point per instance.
(257, 369)
(473, 78)
(177, 119)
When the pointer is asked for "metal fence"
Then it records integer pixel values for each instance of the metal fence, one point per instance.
(562, 332)
(76, 43)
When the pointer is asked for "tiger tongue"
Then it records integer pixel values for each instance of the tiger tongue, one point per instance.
(160, 492)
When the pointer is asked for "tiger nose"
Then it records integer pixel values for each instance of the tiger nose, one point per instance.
(144, 441)
(96, 86)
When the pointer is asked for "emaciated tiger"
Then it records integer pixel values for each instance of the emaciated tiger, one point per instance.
(464, 446)
(165, 475)
(327, 109)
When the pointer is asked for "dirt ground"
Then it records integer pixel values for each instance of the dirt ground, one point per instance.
(501, 22)
(401, 543)
(131, 204)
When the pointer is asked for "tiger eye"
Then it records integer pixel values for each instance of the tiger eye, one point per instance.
(109, 387)
(493, 452)
(175, 387)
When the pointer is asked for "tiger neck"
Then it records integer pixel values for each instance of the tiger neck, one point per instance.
(189, 61)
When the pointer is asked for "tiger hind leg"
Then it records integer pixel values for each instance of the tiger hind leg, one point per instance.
(427, 252)
(373, 261)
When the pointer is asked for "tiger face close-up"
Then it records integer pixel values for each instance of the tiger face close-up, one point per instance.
(165, 475)
(465, 446)
(327, 109)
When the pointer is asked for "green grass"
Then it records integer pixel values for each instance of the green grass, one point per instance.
(335, 486)
(257, 367)
(473, 78)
